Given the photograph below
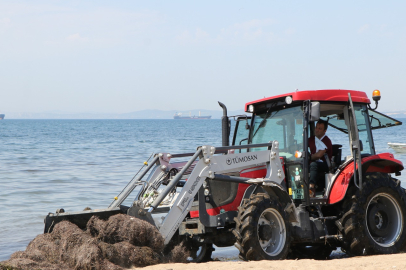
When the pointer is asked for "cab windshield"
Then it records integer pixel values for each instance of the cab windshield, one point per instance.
(285, 126)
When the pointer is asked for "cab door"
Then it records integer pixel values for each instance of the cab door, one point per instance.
(354, 143)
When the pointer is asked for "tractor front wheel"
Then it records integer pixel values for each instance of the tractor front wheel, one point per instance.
(200, 253)
(376, 219)
(262, 229)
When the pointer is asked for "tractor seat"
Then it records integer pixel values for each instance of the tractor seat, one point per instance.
(333, 165)
(336, 158)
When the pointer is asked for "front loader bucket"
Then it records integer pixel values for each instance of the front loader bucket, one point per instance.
(81, 218)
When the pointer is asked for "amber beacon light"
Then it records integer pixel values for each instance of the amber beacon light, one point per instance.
(376, 96)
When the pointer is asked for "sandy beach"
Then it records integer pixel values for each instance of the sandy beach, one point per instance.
(377, 262)
(227, 259)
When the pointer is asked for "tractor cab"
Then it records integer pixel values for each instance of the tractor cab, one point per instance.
(291, 118)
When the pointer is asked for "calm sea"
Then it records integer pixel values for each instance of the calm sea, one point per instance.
(72, 164)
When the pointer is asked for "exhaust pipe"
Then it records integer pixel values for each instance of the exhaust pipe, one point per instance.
(225, 126)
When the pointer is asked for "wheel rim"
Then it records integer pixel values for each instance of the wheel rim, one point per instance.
(384, 219)
(271, 232)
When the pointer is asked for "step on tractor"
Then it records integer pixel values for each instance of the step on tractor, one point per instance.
(254, 192)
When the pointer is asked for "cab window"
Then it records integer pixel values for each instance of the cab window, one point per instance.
(241, 132)
(285, 126)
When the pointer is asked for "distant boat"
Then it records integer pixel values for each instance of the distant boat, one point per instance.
(179, 116)
(398, 147)
(2, 116)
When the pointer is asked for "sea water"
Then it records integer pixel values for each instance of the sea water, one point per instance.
(73, 164)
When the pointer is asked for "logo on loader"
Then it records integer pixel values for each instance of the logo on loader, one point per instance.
(194, 185)
(236, 160)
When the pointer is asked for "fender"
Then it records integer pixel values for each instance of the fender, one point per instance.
(255, 172)
(278, 191)
(244, 190)
(384, 163)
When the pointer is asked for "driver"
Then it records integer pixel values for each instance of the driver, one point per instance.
(319, 145)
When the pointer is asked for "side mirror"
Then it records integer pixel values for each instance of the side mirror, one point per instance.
(315, 111)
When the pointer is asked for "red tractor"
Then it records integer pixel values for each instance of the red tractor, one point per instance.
(254, 193)
(358, 205)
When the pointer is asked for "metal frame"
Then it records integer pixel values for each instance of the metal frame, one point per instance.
(208, 162)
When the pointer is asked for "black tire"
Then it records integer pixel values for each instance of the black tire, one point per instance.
(262, 230)
(375, 220)
(200, 253)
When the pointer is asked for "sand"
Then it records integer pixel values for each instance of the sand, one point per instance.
(123, 242)
(393, 262)
(377, 262)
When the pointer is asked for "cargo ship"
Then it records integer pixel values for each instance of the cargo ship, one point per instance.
(179, 116)
(2, 116)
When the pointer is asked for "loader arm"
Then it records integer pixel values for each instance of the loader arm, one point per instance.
(208, 162)
(210, 166)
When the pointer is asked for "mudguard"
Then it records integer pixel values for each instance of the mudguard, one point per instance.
(240, 194)
(279, 192)
(384, 163)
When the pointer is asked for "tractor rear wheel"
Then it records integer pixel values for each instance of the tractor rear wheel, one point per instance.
(262, 229)
(376, 219)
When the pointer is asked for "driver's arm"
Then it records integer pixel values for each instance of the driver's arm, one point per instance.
(318, 155)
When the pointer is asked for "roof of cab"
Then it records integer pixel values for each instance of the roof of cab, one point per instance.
(318, 95)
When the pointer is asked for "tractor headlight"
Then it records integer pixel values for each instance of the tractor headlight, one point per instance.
(251, 108)
(206, 192)
(288, 99)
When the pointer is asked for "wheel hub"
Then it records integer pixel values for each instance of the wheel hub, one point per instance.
(378, 220)
(271, 232)
(265, 232)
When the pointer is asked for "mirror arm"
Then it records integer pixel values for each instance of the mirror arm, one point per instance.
(376, 106)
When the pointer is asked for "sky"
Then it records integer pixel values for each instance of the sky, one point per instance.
(124, 56)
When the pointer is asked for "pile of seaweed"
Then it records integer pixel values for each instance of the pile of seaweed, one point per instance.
(120, 242)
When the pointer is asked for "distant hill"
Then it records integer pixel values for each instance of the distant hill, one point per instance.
(144, 114)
